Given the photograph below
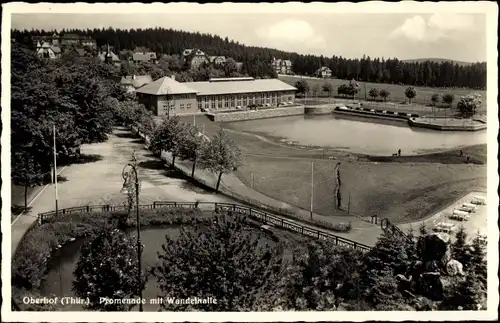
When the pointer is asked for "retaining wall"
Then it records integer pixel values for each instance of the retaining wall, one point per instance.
(469, 127)
(372, 115)
(320, 109)
(257, 114)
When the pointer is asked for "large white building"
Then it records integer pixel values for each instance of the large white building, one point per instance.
(167, 96)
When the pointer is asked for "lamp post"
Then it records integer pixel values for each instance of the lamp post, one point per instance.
(126, 174)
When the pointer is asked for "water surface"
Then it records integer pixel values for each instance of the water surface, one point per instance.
(360, 135)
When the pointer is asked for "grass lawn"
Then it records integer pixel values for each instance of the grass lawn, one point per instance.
(397, 91)
(478, 155)
(401, 192)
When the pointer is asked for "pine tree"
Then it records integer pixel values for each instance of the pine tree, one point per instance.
(479, 259)
(460, 250)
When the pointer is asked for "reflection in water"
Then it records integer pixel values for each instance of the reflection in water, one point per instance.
(360, 135)
(59, 279)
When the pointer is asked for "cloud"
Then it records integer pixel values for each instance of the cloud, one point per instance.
(413, 28)
(291, 34)
(437, 27)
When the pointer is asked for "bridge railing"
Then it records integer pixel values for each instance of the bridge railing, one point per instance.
(216, 207)
(394, 230)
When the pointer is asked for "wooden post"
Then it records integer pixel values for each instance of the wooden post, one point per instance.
(349, 205)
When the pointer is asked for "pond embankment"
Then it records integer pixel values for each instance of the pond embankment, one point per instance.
(256, 114)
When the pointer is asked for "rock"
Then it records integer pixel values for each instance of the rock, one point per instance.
(424, 304)
(403, 282)
(454, 268)
(402, 278)
(430, 285)
(435, 247)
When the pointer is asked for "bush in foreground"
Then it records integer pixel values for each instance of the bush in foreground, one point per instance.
(223, 262)
(108, 267)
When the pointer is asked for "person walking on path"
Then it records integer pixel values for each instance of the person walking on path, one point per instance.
(399, 152)
(134, 157)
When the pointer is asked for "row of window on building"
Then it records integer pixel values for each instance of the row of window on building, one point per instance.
(230, 101)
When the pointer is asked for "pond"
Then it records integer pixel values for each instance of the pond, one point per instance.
(359, 135)
(59, 279)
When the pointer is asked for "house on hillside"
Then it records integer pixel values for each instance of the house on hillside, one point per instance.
(61, 43)
(323, 72)
(133, 82)
(194, 58)
(47, 50)
(217, 60)
(144, 56)
(282, 66)
(109, 57)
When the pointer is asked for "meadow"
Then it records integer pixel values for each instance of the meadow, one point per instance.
(397, 91)
(401, 192)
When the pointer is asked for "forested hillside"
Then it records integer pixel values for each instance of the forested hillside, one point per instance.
(256, 60)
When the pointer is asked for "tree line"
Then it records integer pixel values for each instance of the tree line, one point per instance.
(226, 262)
(257, 60)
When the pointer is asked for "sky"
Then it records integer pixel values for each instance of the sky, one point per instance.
(456, 36)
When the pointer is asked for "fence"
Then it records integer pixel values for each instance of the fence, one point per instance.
(393, 229)
(255, 214)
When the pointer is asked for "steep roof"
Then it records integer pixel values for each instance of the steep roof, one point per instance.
(114, 58)
(166, 85)
(239, 86)
(140, 80)
(324, 68)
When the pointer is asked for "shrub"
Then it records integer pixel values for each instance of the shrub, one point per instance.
(374, 93)
(384, 94)
(435, 98)
(448, 99)
(410, 93)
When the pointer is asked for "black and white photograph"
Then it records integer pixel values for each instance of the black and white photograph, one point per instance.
(282, 162)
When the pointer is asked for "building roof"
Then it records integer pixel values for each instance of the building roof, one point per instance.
(144, 57)
(80, 51)
(288, 62)
(114, 58)
(166, 85)
(137, 82)
(324, 68)
(246, 85)
(193, 52)
(213, 58)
